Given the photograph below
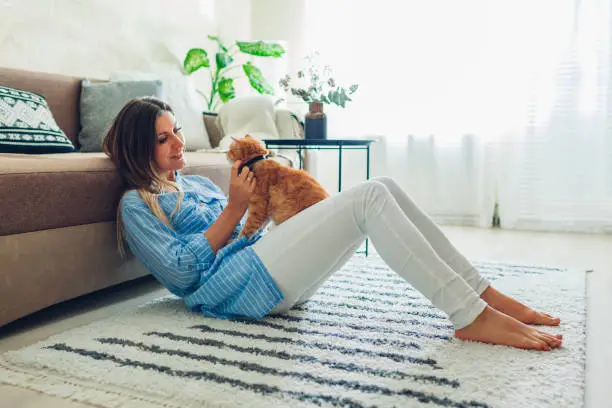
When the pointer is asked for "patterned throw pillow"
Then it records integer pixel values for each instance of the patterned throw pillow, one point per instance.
(27, 125)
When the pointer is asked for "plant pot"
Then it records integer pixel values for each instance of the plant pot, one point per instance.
(315, 123)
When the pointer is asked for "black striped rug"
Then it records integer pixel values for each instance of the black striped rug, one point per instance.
(366, 339)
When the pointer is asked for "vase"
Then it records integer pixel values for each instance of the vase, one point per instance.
(315, 123)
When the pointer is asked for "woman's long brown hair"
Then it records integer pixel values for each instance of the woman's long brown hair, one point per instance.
(130, 143)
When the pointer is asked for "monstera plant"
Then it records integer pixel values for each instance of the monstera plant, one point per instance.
(222, 82)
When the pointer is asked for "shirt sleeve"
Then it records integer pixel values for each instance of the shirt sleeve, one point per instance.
(177, 261)
(220, 194)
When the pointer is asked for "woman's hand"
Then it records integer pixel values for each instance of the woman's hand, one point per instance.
(241, 187)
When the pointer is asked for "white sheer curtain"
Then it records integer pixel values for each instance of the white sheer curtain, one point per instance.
(475, 99)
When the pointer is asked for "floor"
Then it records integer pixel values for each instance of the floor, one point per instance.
(581, 251)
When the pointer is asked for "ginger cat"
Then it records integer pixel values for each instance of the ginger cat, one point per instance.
(280, 191)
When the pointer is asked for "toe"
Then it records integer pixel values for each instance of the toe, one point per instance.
(552, 320)
(551, 340)
(530, 344)
(542, 345)
(545, 319)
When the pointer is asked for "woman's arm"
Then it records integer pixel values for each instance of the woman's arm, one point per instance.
(177, 261)
(241, 187)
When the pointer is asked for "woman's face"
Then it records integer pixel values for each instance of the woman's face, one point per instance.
(168, 150)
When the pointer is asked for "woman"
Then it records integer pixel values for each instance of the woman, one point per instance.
(186, 232)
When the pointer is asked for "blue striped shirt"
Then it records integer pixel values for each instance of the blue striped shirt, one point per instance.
(231, 283)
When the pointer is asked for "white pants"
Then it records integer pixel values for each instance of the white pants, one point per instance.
(301, 253)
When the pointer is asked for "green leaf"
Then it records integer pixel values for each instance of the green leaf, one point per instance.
(256, 79)
(301, 93)
(218, 41)
(226, 89)
(332, 97)
(195, 59)
(353, 88)
(223, 60)
(261, 49)
(339, 97)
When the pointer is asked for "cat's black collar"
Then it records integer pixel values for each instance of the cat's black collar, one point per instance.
(252, 161)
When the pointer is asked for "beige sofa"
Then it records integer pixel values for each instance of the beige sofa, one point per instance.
(57, 235)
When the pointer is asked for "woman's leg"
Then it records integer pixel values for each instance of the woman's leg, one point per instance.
(438, 241)
(306, 249)
(460, 264)
(303, 251)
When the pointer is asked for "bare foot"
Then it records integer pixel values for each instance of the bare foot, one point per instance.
(494, 327)
(519, 311)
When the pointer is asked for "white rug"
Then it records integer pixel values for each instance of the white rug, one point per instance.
(366, 339)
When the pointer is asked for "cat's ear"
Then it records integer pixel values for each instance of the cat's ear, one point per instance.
(234, 139)
(248, 137)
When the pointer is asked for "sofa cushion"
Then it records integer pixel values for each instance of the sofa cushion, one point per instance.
(27, 124)
(61, 92)
(62, 190)
(181, 94)
(102, 101)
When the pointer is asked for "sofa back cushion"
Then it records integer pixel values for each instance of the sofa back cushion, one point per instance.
(101, 102)
(181, 94)
(61, 92)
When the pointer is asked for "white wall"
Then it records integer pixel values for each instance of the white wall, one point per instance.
(234, 21)
(94, 38)
(97, 37)
(278, 21)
